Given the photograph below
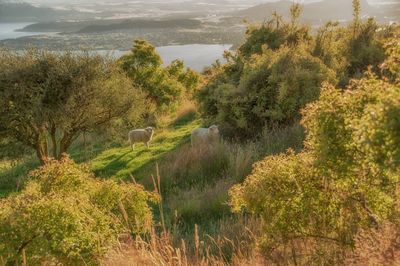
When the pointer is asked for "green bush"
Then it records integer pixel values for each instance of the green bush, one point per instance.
(271, 90)
(391, 67)
(66, 216)
(356, 131)
(345, 180)
(165, 86)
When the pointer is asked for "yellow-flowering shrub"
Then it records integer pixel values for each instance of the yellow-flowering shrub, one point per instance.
(346, 179)
(65, 215)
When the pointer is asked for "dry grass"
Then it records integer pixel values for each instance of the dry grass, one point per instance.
(162, 250)
(379, 247)
(376, 247)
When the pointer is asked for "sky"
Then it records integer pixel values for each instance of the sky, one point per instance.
(49, 2)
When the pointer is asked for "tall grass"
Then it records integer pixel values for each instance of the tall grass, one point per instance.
(13, 175)
(197, 225)
(194, 224)
(234, 244)
(160, 249)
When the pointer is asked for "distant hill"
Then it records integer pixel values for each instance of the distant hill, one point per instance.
(24, 12)
(97, 26)
(318, 12)
(144, 24)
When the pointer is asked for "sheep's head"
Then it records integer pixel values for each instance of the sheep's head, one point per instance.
(214, 130)
(149, 130)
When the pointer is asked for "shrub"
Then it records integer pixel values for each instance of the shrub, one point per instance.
(271, 91)
(391, 66)
(64, 215)
(357, 132)
(345, 180)
(165, 87)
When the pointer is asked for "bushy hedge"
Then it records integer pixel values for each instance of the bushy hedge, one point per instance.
(271, 90)
(65, 215)
(347, 177)
(280, 68)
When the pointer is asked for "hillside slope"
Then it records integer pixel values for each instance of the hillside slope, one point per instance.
(122, 162)
(318, 13)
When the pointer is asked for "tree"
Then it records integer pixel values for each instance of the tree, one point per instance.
(52, 98)
(186, 76)
(165, 87)
(364, 49)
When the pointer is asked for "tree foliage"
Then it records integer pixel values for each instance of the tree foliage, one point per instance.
(51, 98)
(164, 86)
(280, 68)
(64, 215)
(270, 90)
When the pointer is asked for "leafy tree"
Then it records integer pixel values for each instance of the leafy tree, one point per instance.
(164, 86)
(356, 15)
(66, 216)
(187, 77)
(52, 98)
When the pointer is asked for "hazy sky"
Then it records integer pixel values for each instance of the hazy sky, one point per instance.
(66, 2)
(166, 1)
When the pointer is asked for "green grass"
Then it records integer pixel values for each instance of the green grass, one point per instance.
(13, 176)
(122, 162)
(109, 160)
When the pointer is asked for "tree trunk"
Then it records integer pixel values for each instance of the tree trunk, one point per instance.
(54, 141)
(42, 152)
(66, 141)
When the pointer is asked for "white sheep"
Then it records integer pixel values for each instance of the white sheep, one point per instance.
(141, 135)
(205, 135)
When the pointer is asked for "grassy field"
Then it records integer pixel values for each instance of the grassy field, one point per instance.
(122, 162)
(194, 182)
(110, 160)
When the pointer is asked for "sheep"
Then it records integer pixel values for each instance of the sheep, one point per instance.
(141, 135)
(205, 135)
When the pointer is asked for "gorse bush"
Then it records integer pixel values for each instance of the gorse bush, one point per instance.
(358, 130)
(280, 68)
(64, 215)
(391, 66)
(271, 90)
(346, 179)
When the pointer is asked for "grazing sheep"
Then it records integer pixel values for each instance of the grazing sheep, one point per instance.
(141, 135)
(205, 135)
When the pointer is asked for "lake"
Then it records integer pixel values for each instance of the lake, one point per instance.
(196, 56)
(8, 31)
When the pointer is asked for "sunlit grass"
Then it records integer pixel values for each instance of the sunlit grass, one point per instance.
(122, 162)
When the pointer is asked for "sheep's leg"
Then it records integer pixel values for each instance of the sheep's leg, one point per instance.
(148, 145)
(133, 146)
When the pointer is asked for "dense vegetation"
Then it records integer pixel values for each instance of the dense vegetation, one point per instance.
(165, 86)
(308, 167)
(281, 67)
(61, 96)
(66, 216)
